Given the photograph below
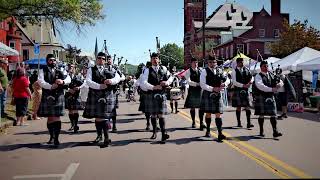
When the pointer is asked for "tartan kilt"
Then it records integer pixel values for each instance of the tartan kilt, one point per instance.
(193, 99)
(142, 101)
(240, 98)
(117, 100)
(73, 102)
(155, 105)
(263, 107)
(211, 104)
(100, 104)
(51, 105)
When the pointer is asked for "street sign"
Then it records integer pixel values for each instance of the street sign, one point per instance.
(36, 49)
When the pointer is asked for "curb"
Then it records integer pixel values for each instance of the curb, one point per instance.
(5, 125)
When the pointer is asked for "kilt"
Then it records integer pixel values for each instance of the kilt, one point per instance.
(117, 100)
(100, 104)
(73, 102)
(193, 99)
(142, 101)
(155, 103)
(240, 98)
(265, 106)
(211, 104)
(168, 95)
(51, 105)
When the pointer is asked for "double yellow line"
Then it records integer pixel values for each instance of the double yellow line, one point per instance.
(239, 146)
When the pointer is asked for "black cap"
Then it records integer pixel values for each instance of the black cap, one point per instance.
(193, 59)
(101, 54)
(263, 63)
(154, 55)
(49, 56)
(239, 59)
(108, 56)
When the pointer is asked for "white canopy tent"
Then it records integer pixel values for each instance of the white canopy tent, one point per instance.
(303, 55)
(311, 65)
(256, 66)
(7, 51)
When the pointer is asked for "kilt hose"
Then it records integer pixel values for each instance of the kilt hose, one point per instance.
(211, 103)
(100, 104)
(52, 103)
(240, 98)
(73, 101)
(155, 103)
(265, 106)
(193, 99)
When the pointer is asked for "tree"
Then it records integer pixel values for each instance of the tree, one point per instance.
(294, 37)
(72, 54)
(172, 54)
(77, 12)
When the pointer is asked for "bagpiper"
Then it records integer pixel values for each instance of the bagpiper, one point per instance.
(242, 80)
(52, 80)
(212, 82)
(73, 99)
(193, 100)
(266, 84)
(155, 79)
(101, 99)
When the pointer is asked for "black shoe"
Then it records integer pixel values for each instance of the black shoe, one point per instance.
(284, 115)
(262, 135)
(50, 141)
(114, 129)
(280, 117)
(207, 134)
(14, 122)
(202, 127)
(250, 125)
(106, 142)
(76, 129)
(277, 134)
(56, 143)
(164, 138)
(98, 139)
(148, 128)
(177, 112)
(193, 125)
(154, 136)
(221, 137)
(239, 125)
(158, 128)
(71, 128)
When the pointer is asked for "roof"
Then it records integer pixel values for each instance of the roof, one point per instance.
(24, 32)
(236, 14)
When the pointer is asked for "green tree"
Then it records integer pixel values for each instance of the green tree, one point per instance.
(77, 12)
(72, 54)
(172, 54)
(294, 37)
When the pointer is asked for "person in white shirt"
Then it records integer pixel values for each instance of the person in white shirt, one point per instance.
(101, 98)
(212, 82)
(194, 93)
(242, 80)
(155, 79)
(52, 80)
(265, 104)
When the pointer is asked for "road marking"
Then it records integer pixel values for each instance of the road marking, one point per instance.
(66, 176)
(265, 155)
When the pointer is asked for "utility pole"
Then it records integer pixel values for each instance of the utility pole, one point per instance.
(203, 31)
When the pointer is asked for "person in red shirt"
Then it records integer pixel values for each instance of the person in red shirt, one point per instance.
(21, 94)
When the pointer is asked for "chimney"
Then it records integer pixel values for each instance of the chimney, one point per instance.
(275, 7)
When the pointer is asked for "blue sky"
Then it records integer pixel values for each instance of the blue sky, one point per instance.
(130, 26)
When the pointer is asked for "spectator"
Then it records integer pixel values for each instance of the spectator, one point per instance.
(21, 94)
(3, 85)
(36, 99)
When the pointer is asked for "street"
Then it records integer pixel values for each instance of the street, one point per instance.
(186, 155)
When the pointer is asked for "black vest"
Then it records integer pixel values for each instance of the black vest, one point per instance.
(244, 77)
(50, 77)
(108, 73)
(215, 80)
(195, 75)
(269, 81)
(155, 78)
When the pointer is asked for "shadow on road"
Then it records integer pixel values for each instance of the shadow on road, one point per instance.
(127, 120)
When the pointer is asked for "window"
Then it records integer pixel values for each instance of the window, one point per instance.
(262, 33)
(56, 54)
(248, 48)
(12, 44)
(276, 33)
(222, 52)
(267, 49)
(25, 54)
(231, 51)
(240, 48)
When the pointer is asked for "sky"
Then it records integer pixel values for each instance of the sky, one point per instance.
(130, 27)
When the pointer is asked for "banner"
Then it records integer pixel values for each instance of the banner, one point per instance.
(314, 79)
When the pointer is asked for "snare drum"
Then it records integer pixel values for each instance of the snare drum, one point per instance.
(175, 94)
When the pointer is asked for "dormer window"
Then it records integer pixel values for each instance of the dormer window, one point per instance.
(262, 33)
(228, 16)
(243, 17)
(232, 9)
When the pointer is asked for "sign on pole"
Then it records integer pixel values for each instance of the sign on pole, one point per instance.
(36, 51)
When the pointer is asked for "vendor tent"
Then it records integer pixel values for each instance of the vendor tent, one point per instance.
(255, 66)
(311, 65)
(246, 60)
(7, 51)
(303, 55)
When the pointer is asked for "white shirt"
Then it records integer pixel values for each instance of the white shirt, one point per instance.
(234, 75)
(203, 83)
(144, 79)
(261, 86)
(95, 85)
(45, 84)
(187, 76)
